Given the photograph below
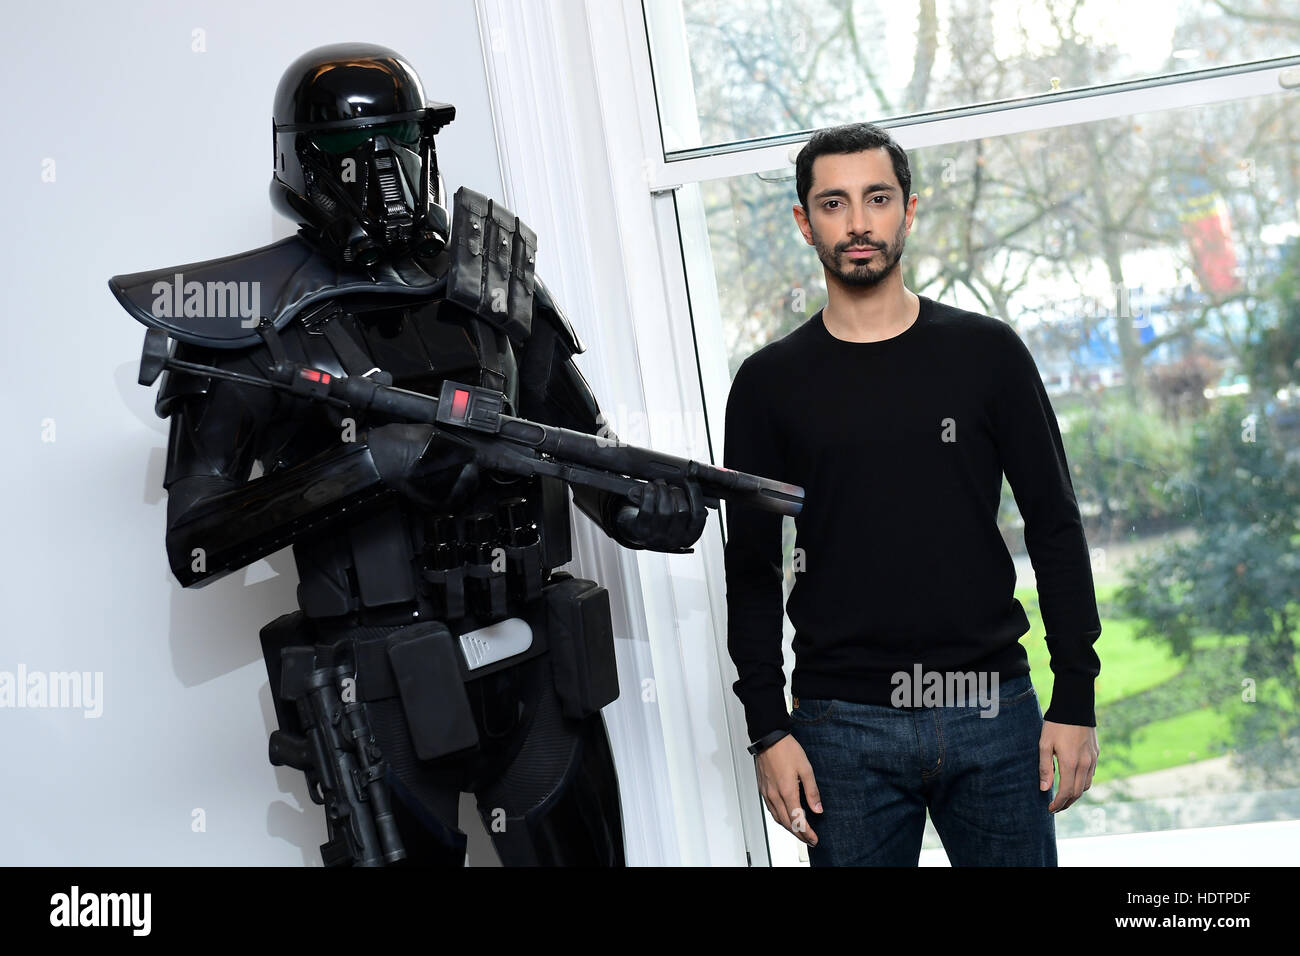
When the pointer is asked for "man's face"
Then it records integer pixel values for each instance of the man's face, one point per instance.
(857, 217)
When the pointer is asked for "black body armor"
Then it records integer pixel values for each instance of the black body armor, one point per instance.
(435, 648)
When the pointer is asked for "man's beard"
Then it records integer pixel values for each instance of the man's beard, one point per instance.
(862, 273)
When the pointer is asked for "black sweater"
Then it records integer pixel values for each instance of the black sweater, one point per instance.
(900, 446)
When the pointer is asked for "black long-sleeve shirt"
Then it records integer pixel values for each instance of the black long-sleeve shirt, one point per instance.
(900, 446)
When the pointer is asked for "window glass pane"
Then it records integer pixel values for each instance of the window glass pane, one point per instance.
(731, 70)
(1152, 265)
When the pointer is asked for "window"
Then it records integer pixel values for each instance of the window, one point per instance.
(1151, 261)
(786, 66)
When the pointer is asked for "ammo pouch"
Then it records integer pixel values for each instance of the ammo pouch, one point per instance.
(492, 263)
(582, 645)
(421, 665)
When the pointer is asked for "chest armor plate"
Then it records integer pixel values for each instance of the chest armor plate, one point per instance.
(471, 565)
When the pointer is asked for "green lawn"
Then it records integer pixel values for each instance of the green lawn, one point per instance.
(1173, 742)
(1145, 673)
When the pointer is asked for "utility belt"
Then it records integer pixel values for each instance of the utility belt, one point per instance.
(428, 666)
(478, 565)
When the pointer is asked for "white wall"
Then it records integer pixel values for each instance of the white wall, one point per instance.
(161, 157)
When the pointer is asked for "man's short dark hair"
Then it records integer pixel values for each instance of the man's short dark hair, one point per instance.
(851, 138)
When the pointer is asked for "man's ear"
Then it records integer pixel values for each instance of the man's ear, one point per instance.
(801, 220)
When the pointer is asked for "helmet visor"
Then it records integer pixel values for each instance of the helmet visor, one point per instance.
(340, 141)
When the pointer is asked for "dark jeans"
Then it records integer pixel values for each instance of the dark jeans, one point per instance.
(878, 768)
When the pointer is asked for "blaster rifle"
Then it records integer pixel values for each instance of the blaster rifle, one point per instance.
(504, 443)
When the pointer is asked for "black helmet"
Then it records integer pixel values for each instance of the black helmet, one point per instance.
(354, 157)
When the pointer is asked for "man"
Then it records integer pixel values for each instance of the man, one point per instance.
(899, 415)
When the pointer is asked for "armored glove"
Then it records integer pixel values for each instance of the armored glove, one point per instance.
(668, 519)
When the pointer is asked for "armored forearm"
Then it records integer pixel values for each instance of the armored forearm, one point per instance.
(216, 525)
(602, 507)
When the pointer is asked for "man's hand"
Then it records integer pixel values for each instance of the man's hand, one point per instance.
(1076, 753)
(669, 519)
(781, 768)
